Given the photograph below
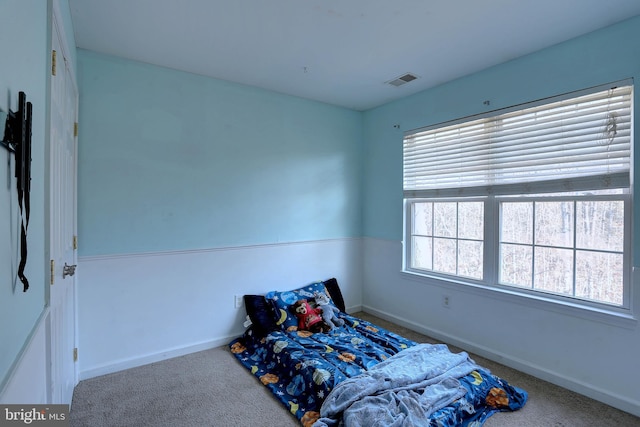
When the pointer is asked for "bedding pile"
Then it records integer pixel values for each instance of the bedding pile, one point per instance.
(360, 374)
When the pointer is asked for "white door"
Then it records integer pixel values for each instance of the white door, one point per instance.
(62, 226)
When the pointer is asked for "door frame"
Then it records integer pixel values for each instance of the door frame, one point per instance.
(56, 29)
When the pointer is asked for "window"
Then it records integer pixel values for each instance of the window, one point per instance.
(535, 198)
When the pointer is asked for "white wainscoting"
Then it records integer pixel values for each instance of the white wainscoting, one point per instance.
(590, 356)
(135, 309)
(28, 378)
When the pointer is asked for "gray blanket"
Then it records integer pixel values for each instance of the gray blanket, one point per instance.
(404, 390)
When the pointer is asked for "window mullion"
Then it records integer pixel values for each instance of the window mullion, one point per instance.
(491, 240)
(533, 245)
(575, 246)
(457, 239)
(433, 235)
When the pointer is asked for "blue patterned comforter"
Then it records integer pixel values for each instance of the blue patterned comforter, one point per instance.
(301, 369)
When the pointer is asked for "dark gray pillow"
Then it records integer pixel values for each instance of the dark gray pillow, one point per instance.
(262, 314)
(334, 292)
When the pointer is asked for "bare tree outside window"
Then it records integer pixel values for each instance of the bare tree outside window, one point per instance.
(575, 250)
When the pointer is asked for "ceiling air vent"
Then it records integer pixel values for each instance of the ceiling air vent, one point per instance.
(406, 78)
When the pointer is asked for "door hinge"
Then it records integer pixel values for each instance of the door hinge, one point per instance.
(75, 242)
(53, 270)
(53, 62)
(75, 354)
(75, 129)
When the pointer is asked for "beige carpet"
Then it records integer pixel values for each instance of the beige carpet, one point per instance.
(210, 388)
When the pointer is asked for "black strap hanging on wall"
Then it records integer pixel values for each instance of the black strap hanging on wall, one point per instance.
(24, 188)
(17, 139)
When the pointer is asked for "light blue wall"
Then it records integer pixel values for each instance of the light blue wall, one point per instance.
(23, 65)
(550, 341)
(172, 161)
(604, 56)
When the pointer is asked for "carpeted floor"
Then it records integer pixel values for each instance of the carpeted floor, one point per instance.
(210, 388)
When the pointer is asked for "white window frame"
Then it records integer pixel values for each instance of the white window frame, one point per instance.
(491, 255)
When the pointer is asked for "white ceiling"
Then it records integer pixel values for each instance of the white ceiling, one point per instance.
(336, 51)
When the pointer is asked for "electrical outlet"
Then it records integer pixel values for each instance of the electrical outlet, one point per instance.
(238, 301)
(446, 301)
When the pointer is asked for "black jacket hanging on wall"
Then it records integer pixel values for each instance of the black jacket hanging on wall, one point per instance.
(17, 139)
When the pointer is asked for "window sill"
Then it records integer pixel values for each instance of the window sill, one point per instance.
(615, 317)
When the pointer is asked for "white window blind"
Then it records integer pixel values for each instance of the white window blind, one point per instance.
(574, 142)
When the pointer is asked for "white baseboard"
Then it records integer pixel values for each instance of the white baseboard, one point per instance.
(27, 381)
(134, 362)
(353, 309)
(621, 402)
(140, 308)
